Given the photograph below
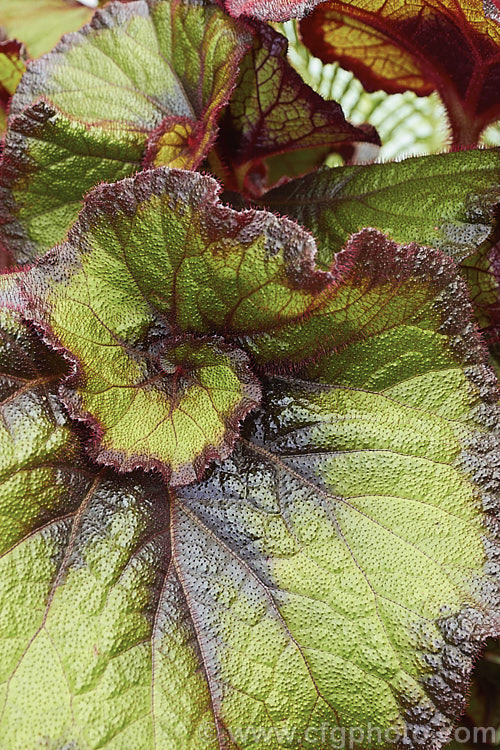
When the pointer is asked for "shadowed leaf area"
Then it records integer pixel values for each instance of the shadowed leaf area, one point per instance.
(480, 725)
(12, 67)
(448, 46)
(276, 127)
(334, 571)
(482, 273)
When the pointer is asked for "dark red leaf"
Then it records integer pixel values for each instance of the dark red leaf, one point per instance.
(276, 126)
(449, 46)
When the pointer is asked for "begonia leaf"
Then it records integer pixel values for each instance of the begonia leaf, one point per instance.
(445, 201)
(482, 273)
(270, 10)
(449, 46)
(277, 126)
(143, 81)
(54, 508)
(334, 577)
(12, 67)
(155, 396)
(313, 575)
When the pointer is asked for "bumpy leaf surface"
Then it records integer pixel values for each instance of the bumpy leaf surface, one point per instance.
(445, 201)
(154, 395)
(276, 125)
(143, 81)
(483, 710)
(270, 10)
(447, 45)
(334, 575)
(39, 24)
(54, 509)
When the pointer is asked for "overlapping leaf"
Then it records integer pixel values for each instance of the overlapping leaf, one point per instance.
(55, 506)
(408, 125)
(39, 454)
(376, 287)
(276, 126)
(444, 201)
(248, 277)
(331, 580)
(446, 46)
(155, 396)
(336, 573)
(301, 548)
(144, 80)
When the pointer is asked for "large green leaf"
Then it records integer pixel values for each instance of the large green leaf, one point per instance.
(445, 201)
(335, 574)
(317, 543)
(143, 81)
(155, 396)
(63, 522)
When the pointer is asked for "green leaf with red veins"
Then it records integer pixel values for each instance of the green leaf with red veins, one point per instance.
(150, 262)
(337, 573)
(39, 452)
(445, 201)
(314, 531)
(357, 304)
(276, 126)
(144, 81)
(449, 46)
(156, 397)
(63, 521)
